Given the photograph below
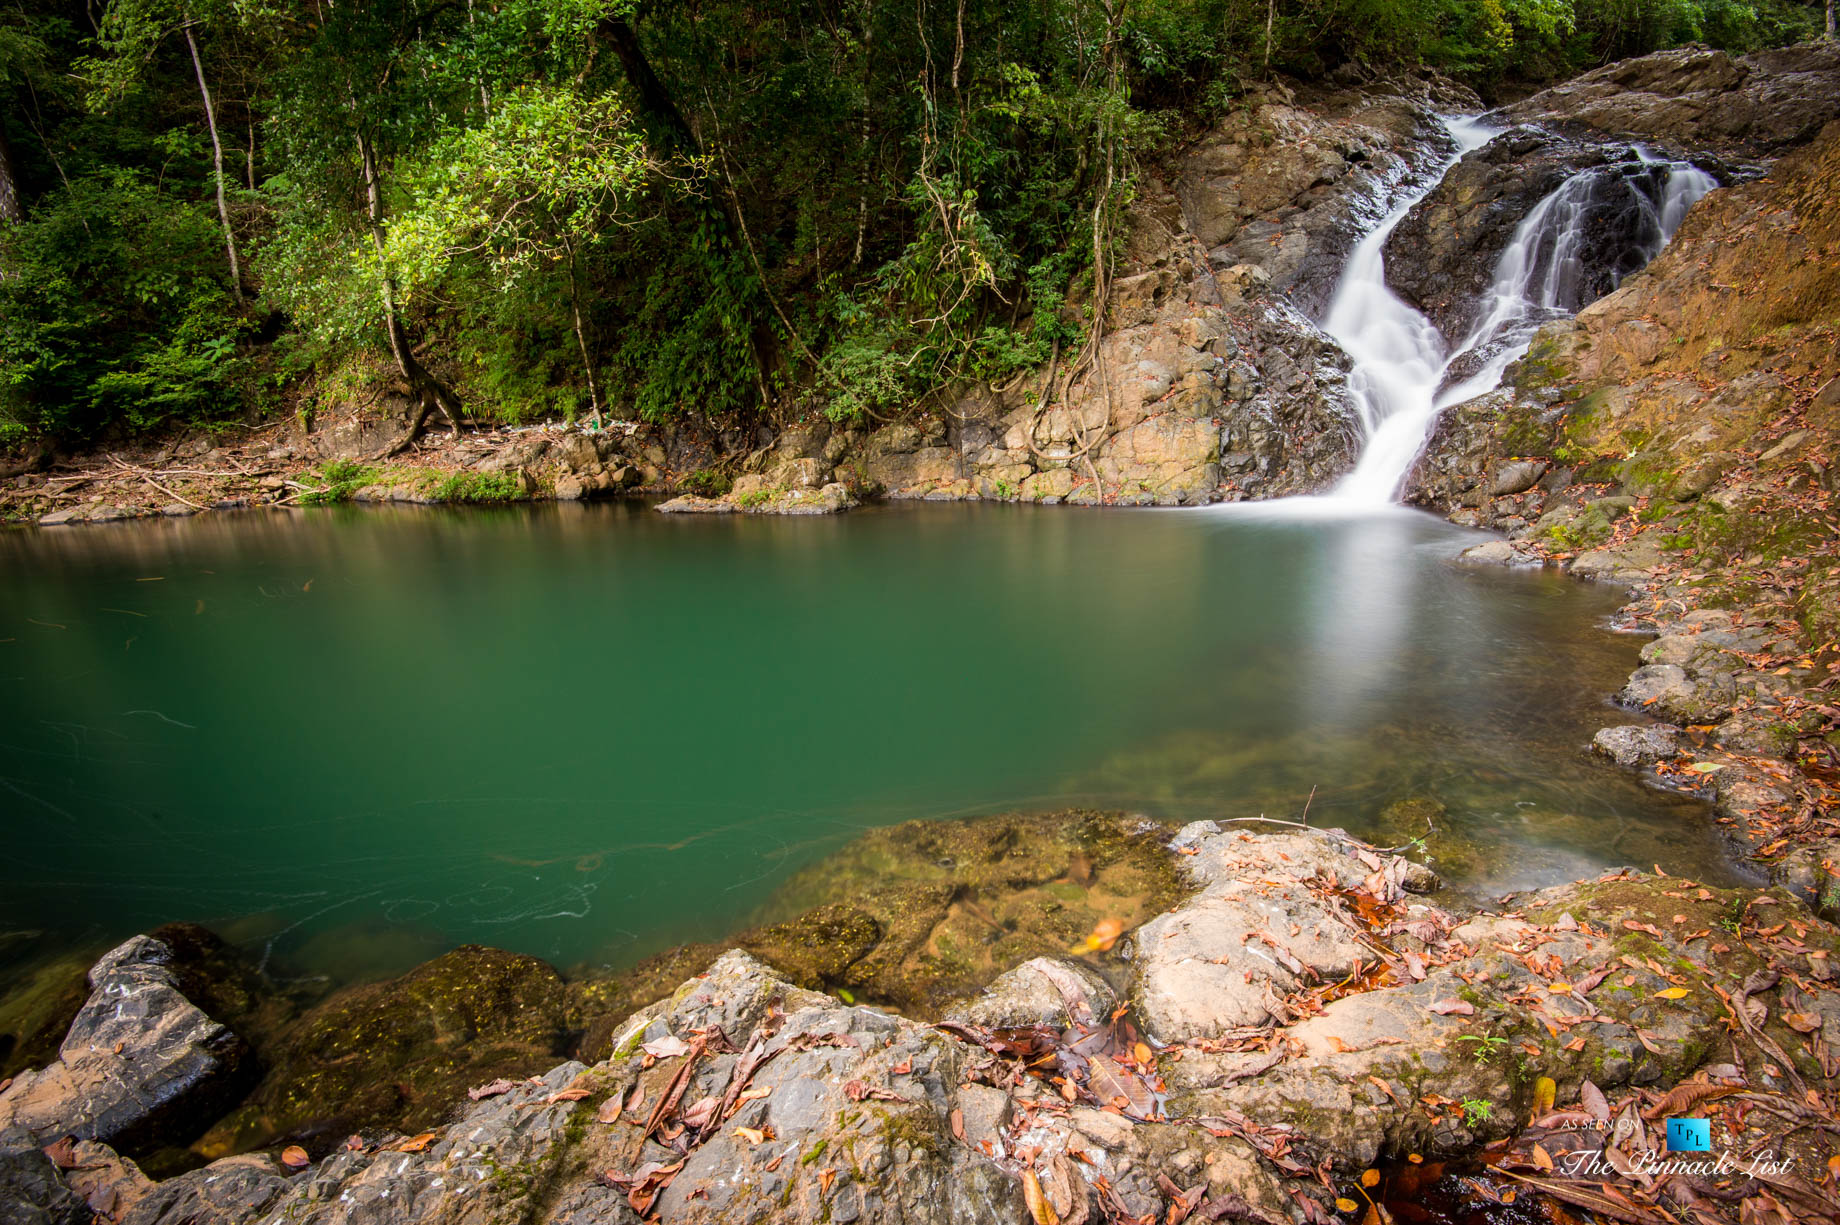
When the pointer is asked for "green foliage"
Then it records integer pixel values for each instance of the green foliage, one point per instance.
(342, 478)
(1486, 1048)
(706, 483)
(477, 487)
(852, 210)
(117, 313)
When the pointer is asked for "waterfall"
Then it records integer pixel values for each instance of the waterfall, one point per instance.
(1404, 366)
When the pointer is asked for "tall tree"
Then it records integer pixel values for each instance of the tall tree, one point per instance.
(130, 34)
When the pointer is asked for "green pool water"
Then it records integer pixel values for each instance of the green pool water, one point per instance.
(351, 739)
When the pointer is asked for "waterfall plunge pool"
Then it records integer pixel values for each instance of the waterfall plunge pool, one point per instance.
(350, 739)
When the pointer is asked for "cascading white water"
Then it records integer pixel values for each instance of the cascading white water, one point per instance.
(1402, 362)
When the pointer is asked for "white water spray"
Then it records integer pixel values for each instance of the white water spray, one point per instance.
(1402, 361)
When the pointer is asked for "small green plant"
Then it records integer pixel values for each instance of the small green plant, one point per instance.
(477, 487)
(1004, 490)
(706, 483)
(1476, 1110)
(754, 497)
(343, 478)
(1486, 1048)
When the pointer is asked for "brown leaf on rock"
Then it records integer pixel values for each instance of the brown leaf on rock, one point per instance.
(1039, 1209)
(295, 1157)
(413, 1144)
(1459, 1008)
(1684, 1098)
(63, 1153)
(572, 1094)
(644, 1184)
(700, 1112)
(492, 1088)
(668, 1047)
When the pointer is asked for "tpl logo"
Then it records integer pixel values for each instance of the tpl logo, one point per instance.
(1689, 1135)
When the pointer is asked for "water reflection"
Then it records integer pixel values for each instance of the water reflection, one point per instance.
(596, 731)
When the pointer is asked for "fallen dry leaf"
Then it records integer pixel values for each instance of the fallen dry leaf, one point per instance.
(1039, 1207)
(668, 1047)
(492, 1088)
(1104, 935)
(1459, 1008)
(295, 1157)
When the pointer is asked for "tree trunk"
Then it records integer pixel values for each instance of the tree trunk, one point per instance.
(1830, 20)
(656, 106)
(11, 208)
(668, 127)
(581, 340)
(217, 164)
(428, 391)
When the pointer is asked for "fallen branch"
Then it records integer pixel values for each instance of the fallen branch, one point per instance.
(149, 479)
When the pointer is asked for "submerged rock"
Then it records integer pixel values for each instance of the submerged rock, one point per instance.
(402, 1053)
(141, 1066)
(745, 1098)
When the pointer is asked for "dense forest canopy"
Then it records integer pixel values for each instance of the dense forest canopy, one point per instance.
(515, 208)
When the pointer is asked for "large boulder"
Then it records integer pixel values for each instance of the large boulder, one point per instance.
(1441, 258)
(141, 1067)
(1698, 98)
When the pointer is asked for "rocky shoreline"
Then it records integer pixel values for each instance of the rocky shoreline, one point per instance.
(1306, 1013)
(1295, 1030)
(1678, 439)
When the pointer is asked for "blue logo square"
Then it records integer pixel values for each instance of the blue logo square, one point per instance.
(1689, 1135)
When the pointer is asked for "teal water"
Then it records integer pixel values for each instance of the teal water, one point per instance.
(353, 738)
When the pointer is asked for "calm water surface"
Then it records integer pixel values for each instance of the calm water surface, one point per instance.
(353, 738)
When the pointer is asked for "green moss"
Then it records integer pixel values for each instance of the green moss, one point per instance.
(815, 1152)
(914, 1128)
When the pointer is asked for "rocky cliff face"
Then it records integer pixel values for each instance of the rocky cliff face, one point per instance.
(1697, 99)
(1211, 381)
(1680, 437)
(1722, 113)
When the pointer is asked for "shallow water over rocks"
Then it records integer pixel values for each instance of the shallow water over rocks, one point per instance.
(352, 740)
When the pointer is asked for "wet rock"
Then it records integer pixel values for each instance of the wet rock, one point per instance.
(1812, 873)
(960, 902)
(757, 498)
(107, 1183)
(402, 1053)
(1667, 690)
(1637, 744)
(234, 1191)
(31, 1192)
(1225, 959)
(141, 1066)
(1442, 256)
(1498, 553)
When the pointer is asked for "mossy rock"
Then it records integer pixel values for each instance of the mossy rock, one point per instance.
(400, 1055)
(36, 1012)
(921, 915)
(960, 902)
